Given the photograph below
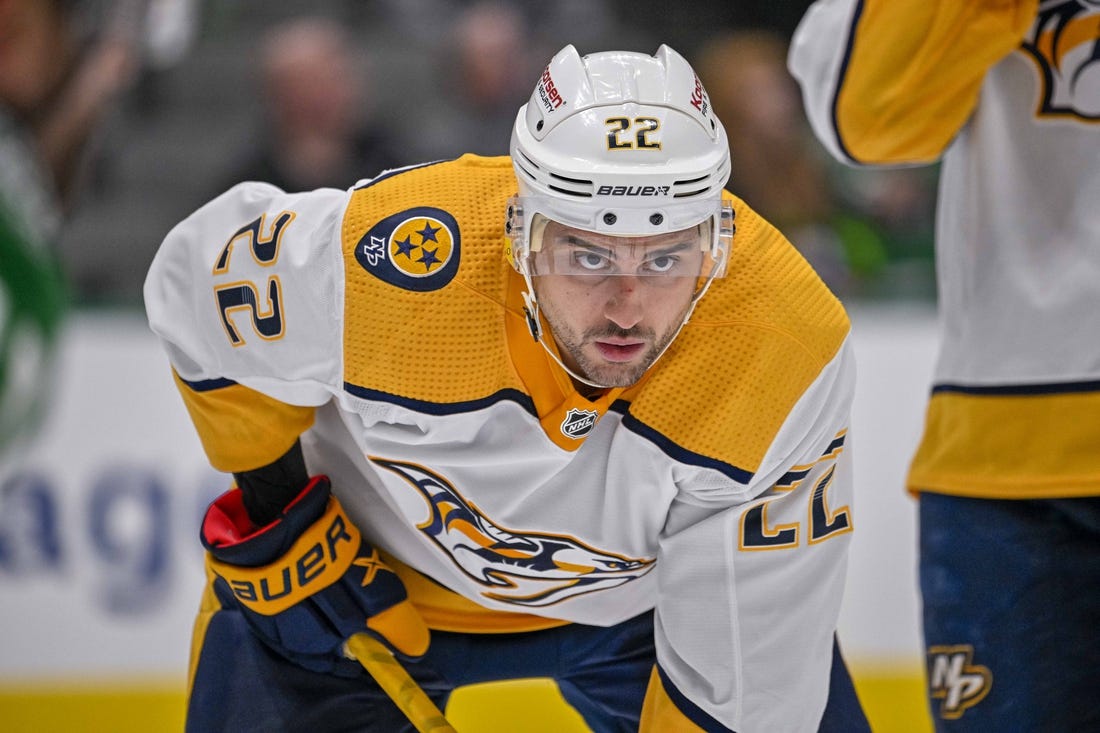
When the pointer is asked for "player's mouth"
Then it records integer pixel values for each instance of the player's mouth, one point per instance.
(620, 350)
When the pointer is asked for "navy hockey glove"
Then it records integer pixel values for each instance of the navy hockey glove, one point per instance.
(307, 581)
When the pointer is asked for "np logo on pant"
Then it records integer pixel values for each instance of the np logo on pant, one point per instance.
(956, 680)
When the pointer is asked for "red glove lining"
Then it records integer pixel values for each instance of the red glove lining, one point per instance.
(227, 521)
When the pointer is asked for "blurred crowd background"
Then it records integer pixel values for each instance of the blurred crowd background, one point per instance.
(145, 109)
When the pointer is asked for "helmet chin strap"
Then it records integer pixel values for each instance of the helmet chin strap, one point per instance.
(534, 324)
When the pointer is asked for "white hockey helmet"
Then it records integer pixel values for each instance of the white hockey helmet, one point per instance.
(620, 143)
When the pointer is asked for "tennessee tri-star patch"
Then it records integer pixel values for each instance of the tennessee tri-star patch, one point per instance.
(415, 249)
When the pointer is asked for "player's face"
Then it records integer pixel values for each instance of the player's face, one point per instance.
(614, 303)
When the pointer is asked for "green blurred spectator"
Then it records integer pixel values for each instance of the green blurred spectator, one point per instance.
(54, 87)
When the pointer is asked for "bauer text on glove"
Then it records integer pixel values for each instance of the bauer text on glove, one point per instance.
(307, 580)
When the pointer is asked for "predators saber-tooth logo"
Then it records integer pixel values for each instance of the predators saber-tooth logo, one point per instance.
(955, 680)
(524, 568)
(1064, 42)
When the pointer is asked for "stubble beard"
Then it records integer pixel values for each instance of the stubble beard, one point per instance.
(610, 374)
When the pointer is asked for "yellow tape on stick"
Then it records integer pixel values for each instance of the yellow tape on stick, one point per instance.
(396, 682)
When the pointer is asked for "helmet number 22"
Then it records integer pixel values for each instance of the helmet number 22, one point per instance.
(619, 138)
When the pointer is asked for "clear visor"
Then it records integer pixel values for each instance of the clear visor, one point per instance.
(542, 245)
(570, 252)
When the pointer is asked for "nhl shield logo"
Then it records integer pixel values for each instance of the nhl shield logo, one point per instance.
(579, 423)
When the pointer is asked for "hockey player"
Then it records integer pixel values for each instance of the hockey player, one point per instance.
(577, 413)
(1007, 94)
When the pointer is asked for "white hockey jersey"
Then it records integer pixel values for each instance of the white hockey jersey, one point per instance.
(1008, 92)
(385, 327)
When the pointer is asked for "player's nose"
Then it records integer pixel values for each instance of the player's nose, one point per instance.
(626, 304)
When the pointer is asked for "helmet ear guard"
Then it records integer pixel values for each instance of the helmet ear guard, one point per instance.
(516, 246)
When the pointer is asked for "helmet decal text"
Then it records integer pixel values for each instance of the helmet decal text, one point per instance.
(633, 190)
(699, 99)
(548, 92)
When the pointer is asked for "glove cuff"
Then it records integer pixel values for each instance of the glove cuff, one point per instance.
(230, 536)
(318, 558)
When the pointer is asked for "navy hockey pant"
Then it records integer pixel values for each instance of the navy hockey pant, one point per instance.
(240, 685)
(1011, 597)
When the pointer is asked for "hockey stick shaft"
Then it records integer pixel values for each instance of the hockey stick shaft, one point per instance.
(396, 682)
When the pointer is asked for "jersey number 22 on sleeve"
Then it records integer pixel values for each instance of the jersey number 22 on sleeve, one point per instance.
(824, 523)
(267, 318)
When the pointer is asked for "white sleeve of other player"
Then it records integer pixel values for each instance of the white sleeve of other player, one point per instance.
(249, 288)
(750, 594)
(816, 54)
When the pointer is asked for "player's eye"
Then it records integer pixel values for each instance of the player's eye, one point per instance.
(662, 264)
(590, 261)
